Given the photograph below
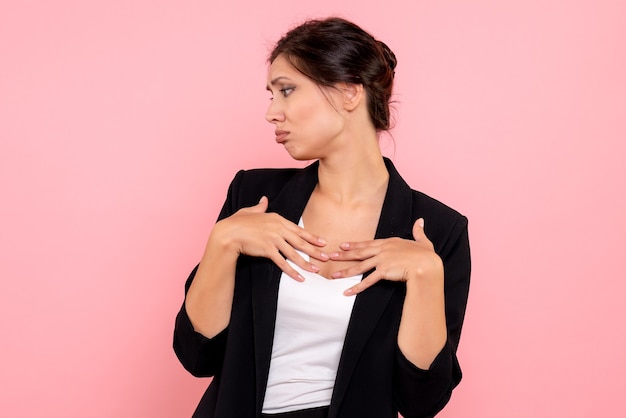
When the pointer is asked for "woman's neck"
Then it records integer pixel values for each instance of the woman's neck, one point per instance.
(354, 177)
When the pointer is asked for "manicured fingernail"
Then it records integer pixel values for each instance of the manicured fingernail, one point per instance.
(349, 292)
(314, 268)
(323, 255)
(336, 275)
(334, 254)
(345, 245)
(420, 222)
(321, 241)
(300, 278)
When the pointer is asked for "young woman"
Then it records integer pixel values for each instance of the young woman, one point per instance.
(333, 290)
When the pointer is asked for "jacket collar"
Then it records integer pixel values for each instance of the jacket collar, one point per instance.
(395, 221)
(395, 215)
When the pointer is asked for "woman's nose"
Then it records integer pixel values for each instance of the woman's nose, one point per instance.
(274, 113)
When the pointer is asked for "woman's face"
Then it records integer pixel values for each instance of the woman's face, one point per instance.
(308, 118)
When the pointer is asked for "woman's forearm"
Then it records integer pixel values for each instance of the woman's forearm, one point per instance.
(210, 296)
(423, 331)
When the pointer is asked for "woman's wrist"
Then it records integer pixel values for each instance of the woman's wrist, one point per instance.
(223, 241)
(428, 274)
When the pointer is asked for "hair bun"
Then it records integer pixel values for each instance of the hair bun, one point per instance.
(390, 57)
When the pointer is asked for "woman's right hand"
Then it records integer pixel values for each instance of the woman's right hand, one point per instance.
(254, 232)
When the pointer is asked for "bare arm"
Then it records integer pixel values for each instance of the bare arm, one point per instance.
(422, 332)
(249, 231)
(210, 296)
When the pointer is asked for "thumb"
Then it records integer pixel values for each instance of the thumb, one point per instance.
(418, 229)
(260, 207)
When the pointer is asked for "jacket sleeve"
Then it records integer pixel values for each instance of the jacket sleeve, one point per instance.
(203, 356)
(423, 393)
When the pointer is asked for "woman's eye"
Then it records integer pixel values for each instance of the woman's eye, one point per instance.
(287, 91)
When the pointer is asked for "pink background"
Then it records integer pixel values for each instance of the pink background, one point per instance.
(123, 121)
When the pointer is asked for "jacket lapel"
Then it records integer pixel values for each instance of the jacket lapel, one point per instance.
(289, 203)
(395, 221)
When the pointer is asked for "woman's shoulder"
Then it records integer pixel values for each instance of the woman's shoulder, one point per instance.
(268, 174)
(443, 225)
(263, 178)
(249, 185)
(422, 205)
(430, 206)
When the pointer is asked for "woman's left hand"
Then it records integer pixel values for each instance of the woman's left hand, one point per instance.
(394, 259)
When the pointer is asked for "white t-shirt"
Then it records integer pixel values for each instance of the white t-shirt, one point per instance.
(311, 322)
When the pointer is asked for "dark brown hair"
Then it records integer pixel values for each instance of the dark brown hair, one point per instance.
(334, 50)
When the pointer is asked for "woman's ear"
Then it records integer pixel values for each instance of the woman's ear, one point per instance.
(353, 94)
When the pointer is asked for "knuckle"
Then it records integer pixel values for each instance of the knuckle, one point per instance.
(382, 269)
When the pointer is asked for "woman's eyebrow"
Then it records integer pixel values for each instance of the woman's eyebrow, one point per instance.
(276, 80)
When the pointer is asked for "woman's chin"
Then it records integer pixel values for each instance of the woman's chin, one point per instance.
(298, 155)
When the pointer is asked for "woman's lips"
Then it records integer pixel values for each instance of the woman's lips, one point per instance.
(281, 136)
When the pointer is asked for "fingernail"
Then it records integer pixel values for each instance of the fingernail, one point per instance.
(321, 241)
(345, 245)
(420, 222)
(314, 268)
(334, 254)
(336, 275)
(300, 278)
(323, 255)
(349, 292)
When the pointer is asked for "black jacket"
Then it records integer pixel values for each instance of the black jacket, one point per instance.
(374, 379)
